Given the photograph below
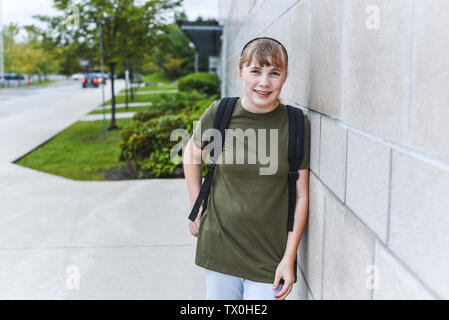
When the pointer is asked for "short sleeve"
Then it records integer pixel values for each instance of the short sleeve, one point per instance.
(206, 122)
(305, 163)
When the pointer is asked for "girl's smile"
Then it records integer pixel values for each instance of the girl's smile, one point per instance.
(263, 94)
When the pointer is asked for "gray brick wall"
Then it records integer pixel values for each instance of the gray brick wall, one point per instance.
(372, 75)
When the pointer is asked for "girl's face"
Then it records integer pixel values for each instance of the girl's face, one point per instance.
(262, 84)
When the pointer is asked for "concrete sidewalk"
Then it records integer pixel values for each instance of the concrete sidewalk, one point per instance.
(122, 105)
(151, 92)
(96, 117)
(66, 239)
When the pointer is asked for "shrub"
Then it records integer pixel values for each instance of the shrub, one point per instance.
(170, 103)
(146, 143)
(201, 81)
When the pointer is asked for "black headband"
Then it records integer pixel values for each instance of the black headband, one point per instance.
(285, 50)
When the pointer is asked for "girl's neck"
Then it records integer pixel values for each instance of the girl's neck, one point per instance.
(251, 108)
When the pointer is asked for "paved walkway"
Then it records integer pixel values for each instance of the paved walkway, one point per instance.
(66, 239)
(118, 115)
(151, 92)
(122, 105)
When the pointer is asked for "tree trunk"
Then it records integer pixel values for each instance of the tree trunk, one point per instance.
(113, 125)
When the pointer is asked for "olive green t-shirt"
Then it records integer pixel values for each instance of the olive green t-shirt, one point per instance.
(243, 231)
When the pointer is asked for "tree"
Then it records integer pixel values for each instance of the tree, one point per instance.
(174, 56)
(28, 57)
(66, 56)
(128, 30)
(10, 32)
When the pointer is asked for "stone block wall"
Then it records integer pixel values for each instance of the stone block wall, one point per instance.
(372, 76)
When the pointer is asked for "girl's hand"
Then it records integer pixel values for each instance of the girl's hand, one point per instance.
(195, 226)
(284, 271)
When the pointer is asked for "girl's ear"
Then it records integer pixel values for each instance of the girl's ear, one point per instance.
(239, 72)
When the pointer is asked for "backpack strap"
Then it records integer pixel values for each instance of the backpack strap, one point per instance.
(221, 121)
(295, 150)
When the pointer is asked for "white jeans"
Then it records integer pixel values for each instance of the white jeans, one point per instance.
(222, 286)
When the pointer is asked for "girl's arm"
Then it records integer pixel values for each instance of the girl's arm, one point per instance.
(193, 174)
(286, 267)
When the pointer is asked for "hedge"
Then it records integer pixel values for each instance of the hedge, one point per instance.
(203, 82)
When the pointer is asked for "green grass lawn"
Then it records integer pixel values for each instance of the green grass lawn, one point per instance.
(118, 110)
(150, 88)
(43, 82)
(155, 88)
(159, 82)
(156, 78)
(79, 152)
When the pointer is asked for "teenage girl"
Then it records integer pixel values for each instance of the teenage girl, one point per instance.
(243, 243)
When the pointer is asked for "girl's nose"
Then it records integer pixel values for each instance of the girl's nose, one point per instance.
(264, 81)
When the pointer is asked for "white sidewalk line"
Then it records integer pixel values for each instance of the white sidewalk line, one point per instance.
(95, 117)
(151, 92)
(121, 105)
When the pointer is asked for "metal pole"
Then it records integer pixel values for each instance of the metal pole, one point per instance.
(196, 61)
(2, 70)
(133, 86)
(126, 87)
(102, 82)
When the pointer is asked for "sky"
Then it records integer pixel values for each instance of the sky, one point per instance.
(21, 11)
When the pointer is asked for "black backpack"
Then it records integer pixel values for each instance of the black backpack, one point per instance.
(295, 148)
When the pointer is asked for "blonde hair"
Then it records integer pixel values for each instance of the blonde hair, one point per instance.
(262, 49)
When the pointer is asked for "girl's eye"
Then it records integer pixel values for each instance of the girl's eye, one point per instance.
(273, 73)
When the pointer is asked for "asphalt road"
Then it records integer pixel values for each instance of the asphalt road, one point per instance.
(17, 100)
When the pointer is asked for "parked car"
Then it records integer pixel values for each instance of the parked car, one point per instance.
(14, 76)
(92, 79)
(77, 76)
